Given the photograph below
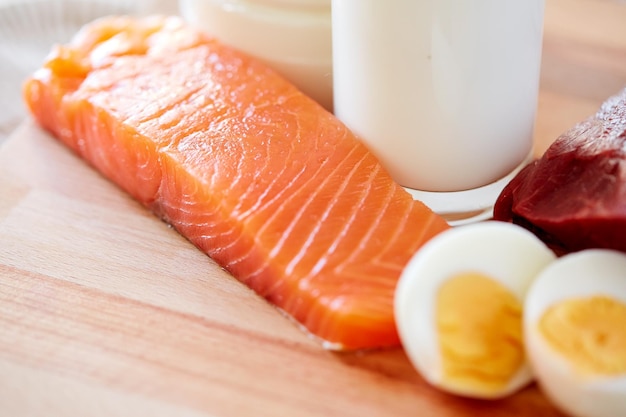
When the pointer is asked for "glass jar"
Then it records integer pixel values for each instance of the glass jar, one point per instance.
(444, 92)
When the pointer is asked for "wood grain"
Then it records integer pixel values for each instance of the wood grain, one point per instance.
(106, 311)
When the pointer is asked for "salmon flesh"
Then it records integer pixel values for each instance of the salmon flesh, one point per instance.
(253, 172)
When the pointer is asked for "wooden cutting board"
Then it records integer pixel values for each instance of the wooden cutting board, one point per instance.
(106, 311)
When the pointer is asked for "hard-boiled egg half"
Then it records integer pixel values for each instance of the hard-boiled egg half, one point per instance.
(459, 307)
(575, 331)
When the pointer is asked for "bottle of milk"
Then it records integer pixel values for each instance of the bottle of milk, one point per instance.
(444, 92)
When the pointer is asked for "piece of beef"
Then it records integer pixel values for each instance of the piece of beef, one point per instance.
(574, 196)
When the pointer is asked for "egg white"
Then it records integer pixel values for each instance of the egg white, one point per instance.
(583, 274)
(509, 254)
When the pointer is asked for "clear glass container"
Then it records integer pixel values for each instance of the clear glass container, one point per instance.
(444, 92)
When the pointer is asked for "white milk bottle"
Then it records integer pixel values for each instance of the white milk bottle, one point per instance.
(444, 92)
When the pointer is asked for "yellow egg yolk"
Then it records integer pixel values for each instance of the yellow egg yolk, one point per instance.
(479, 325)
(590, 333)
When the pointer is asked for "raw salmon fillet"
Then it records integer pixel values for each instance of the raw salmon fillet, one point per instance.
(254, 173)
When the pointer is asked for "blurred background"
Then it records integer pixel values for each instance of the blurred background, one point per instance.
(583, 52)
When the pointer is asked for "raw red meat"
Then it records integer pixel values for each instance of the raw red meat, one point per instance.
(574, 196)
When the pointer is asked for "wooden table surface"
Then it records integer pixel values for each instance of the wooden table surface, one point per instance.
(105, 311)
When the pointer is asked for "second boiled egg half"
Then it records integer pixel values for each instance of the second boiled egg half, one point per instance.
(459, 308)
(575, 332)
